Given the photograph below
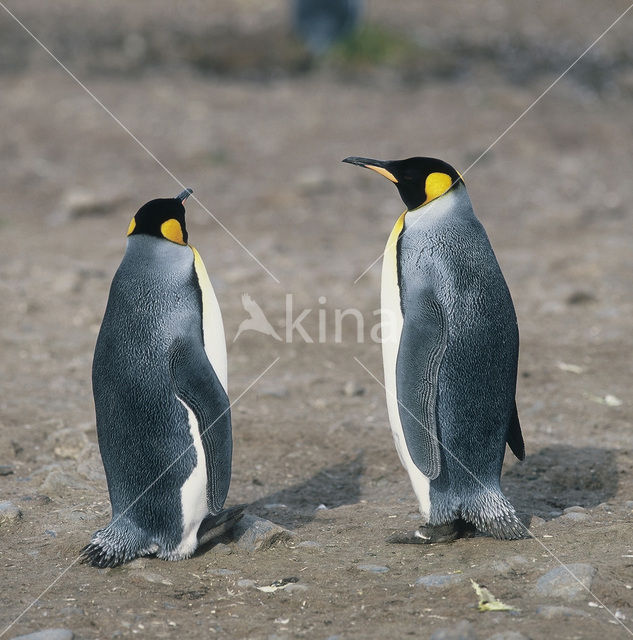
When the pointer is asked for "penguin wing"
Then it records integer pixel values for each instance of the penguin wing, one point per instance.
(422, 346)
(198, 386)
(515, 437)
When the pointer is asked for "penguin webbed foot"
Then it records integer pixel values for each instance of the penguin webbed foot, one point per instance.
(433, 534)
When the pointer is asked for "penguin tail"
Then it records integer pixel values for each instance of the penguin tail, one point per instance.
(214, 526)
(491, 512)
(118, 543)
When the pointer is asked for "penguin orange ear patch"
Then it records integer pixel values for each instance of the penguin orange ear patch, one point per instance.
(172, 230)
(436, 184)
(130, 229)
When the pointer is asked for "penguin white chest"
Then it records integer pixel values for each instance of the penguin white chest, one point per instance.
(193, 493)
(391, 315)
(212, 325)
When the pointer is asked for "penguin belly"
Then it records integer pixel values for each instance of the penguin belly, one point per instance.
(193, 492)
(391, 311)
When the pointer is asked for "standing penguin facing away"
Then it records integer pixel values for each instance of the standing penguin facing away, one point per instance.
(450, 356)
(159, 380)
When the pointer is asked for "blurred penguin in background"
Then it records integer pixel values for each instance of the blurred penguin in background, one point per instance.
(320, 24)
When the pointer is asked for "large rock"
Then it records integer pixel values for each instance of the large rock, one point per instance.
(257, 534)
(559, 583)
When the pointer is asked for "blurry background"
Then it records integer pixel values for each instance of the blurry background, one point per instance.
(255, 115)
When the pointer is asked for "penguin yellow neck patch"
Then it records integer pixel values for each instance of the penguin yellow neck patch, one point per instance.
(436, 184)
(172, 230)
(130, 229)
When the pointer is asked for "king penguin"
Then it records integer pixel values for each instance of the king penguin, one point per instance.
(450, 352)
(159, 380)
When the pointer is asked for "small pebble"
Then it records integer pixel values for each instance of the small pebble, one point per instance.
(372, 568)
(536, 522)
(549, 611)
(574, 509)
(309, 544)
(439, 581)
(296, 588)
(628, 504)
(154, 578)
(245, 583)
(48, 634)
(72, 611)
(9, 513)
(558, 583)
(139, 563)
(220, 572)
(575, 516)
(463, 630)
(508, 635)
(6, 469)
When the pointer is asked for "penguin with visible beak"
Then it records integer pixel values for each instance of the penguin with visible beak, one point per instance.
(450, 353)
(159, 380)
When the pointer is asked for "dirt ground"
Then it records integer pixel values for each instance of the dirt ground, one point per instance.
(235, 109)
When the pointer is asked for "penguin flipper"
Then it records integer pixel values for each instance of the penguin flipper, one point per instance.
(515, 437)
(199, 387)
(422, 346)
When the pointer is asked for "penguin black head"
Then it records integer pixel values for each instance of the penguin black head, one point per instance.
(162, 218)
(419, 180)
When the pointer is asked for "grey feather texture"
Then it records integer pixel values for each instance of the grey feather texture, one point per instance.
(149, 356)
(457, 362)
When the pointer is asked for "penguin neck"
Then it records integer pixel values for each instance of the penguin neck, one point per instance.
(149, 255)
(455, 201)
(158, 249)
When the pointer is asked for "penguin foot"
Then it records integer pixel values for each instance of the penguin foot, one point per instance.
(214, 526)
(431, 534)
(115, 545)
(491, 513)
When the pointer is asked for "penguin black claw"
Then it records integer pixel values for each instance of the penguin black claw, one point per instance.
(433, 534)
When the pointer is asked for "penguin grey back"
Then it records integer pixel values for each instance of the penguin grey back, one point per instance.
(163, 417)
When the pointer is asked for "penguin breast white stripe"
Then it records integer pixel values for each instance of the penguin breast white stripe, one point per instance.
(193, 493)
(212, 326)
(392, 313)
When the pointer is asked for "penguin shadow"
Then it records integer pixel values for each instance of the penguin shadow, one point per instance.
(558, 477)
(297, 505)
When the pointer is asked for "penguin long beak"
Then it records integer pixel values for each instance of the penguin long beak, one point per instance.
(183, 195)
(379, 166)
